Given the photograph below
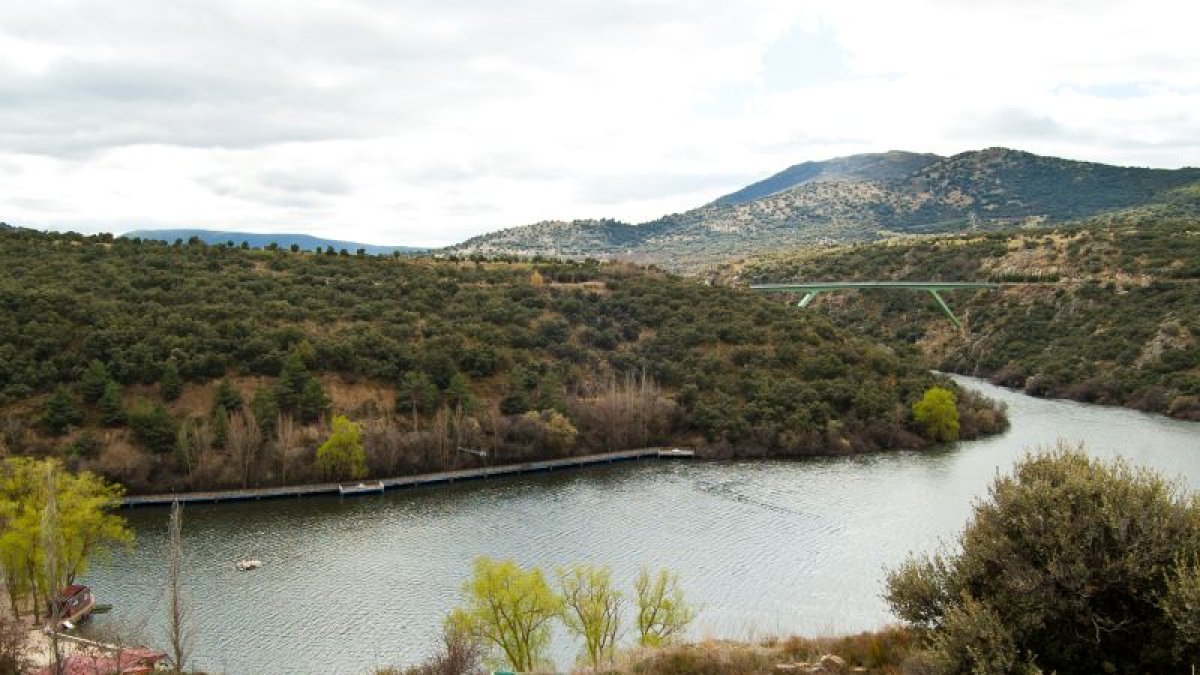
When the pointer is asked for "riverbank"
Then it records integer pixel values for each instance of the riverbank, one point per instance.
(418, 480)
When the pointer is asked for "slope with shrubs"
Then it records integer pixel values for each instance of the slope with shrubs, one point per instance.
(195, 366)
(1104, 310)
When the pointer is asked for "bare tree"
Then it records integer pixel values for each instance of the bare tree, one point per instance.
(180, 631)
(49, 534)
(243, 441)
(287, 437)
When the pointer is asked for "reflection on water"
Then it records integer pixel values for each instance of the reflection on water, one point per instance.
(765, 547)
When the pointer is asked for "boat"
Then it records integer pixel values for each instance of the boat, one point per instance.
(361, 488)
(681, 453)
(248, 564)
(72, 605)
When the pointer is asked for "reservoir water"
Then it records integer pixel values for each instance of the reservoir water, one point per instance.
(765, 547)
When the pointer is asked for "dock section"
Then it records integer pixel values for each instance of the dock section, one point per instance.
(418, 480)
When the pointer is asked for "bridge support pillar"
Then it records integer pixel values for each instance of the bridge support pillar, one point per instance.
(808, 297)
(945, 308)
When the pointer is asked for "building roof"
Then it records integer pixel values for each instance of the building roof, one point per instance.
(129, 662)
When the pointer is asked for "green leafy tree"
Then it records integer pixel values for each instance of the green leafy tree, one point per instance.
(591, 610)
(342, 455)
(227, 397)
(458, 393)
(91, 385)
(1072, 565)
(662, 612)
(510, 609)
(170, 385)
(937, 413)
(112, 408)
(60, 412)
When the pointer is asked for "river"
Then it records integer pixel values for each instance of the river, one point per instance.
(764, 547)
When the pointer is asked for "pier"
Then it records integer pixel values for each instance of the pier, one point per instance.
(417, 480)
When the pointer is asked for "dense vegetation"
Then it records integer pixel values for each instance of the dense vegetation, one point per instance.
(855, 199)
(1105, 310)
(1070, 566)
(188, 365)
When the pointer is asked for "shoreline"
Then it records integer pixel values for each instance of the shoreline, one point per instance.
(399, 482)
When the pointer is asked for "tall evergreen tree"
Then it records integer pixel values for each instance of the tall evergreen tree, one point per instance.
(170, 385)
(313, 403)
(227, 397)
(112, 410)
(292, 379)
(61, 412)
(91, 385)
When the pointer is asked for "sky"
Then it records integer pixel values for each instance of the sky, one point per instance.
(424, 122)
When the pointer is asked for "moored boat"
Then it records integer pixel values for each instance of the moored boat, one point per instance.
(360, 488)
(72, 605)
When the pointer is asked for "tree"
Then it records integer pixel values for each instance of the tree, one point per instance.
(91, 385)
(170, 385)
(342, 454)
(153, 427)
(112, 408)
(41, 549)
(265, 409)
(292, 379)
(662, 612)
(458, 393)
(227, 397)
(313, 403)
(417, 393)
(591, 610)
(180, 630)
(61, 412)
(1077, 565)
(937, 413)
(510, 609)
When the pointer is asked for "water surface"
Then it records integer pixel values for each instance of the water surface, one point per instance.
(765, 547)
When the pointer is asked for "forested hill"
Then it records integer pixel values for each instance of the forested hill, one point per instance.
(855, 199)
(196, 366)
(1104, 310)
(303, 242)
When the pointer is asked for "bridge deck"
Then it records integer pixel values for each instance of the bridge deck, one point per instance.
(846, 285)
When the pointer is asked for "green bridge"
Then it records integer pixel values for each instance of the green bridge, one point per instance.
(934, 288)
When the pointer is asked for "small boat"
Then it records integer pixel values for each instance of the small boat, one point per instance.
(72, 605)
(361, 488)
(248, 564)
(676, 452)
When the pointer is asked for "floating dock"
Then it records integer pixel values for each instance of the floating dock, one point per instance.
(418, 480)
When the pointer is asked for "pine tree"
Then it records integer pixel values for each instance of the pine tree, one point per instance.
(292, 379)
(112, 410)
(266, 410)
(61, 412)
(91, 385)
(227, 397)
(170, 385)
(313, 403)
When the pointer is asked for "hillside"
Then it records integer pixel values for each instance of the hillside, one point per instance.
(1104, 310)
(854, 199)
(113, 354)
(304, 242)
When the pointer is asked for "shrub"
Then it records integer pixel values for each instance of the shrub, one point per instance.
(1072, 565)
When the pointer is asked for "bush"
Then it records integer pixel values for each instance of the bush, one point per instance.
(1072, 566)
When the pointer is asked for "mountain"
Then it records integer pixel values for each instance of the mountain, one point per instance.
(304, 241)
(854, 199)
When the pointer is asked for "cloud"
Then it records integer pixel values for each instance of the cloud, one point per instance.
(427, 122)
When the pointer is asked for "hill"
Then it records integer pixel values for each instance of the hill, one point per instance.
(1104, 310)
(304, 242)
(193, 366)
(854, 199)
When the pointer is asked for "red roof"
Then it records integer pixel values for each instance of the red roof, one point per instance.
(131, 662)
(73, 589)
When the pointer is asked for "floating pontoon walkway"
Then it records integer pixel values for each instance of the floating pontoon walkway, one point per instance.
(418, 480)
(810, 290)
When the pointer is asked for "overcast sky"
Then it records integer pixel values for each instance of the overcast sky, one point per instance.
(427, 121)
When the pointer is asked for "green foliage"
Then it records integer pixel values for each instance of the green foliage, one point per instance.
(510, 609)
(60, 412)
(591, 611)
(265, 410)
(227, 397)
(170, 385)
(1072, 565)
(47, 543)
(91, 385)
(937, 413)
(154, 427)
(313, 403)
(662, 612)
(112, 409)
(342, 456)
